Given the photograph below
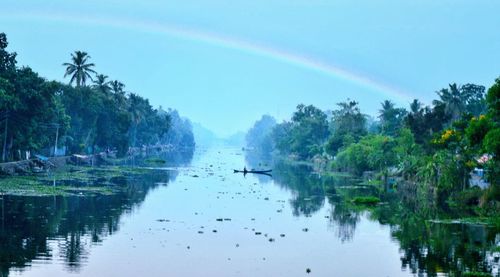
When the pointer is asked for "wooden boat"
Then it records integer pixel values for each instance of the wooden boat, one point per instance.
(245, 171)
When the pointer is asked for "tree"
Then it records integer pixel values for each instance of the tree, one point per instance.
(87, 119)
(137, 109)
(373, 152)
(304, 135)
(453, 101)
(30, 108)
(309, 131)
(101, 84)
(424, 122)
(7, 60)
(491, 142)
(79, 69)
(460, 99)
(348, 125)
(493, 100)
(281, 137)
(391, 118)
(476, 102)
(259, 136)
(180, 134)
(117, 87)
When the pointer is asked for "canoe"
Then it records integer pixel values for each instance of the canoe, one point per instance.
(253, 171)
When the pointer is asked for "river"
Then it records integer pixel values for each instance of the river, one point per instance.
(201, 219)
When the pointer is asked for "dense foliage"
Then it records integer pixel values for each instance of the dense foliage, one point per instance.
(304, 134)
(432, 149)
(37, 115)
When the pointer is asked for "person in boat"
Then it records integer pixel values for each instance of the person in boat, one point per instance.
(245, 170)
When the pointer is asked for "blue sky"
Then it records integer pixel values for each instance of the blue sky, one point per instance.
(225, 63)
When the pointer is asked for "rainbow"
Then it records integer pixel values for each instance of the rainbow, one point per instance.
(220, 40)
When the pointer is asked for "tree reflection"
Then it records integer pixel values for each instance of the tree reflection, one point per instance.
(306, 186)
(343, 219)
(427, 248)
(76, 223)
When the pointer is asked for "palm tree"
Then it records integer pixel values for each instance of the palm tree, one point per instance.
(136, 110)
(101, 84)
(415, 106)
(79, 68)
(391, 118)
(388, 117)
(454, 100)
(387, 110)
(117, 87)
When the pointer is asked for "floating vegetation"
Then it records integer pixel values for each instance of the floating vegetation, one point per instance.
(33, 186)
(366, 200)
(155, 161)
(71, 180)
(490, 221)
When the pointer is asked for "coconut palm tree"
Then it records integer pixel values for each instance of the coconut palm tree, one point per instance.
(136, 110)
(117, 87)
(454, 100)
(415, 106)
(101, 83)
(391, 118)
(79, 69)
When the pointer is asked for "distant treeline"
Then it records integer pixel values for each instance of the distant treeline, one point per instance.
(435, 147)
(90, 114)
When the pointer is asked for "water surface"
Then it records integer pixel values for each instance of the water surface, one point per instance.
(201, 219)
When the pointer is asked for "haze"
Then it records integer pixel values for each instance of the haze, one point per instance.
(225, 63)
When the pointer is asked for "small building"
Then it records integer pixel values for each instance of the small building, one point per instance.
(477, 178)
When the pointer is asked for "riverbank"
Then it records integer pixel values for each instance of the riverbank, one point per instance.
(71, 180)
(101, 173)
(41, 164)
(371, 192)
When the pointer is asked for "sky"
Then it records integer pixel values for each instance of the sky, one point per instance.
(224, 63)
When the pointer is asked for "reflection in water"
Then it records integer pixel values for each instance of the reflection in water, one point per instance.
(64, 229)
(343, 219)
(74, 223)
(308, 188)
(170, 158)
(427, 248)
(434, 248)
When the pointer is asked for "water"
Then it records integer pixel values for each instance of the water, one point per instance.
(203, 220)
